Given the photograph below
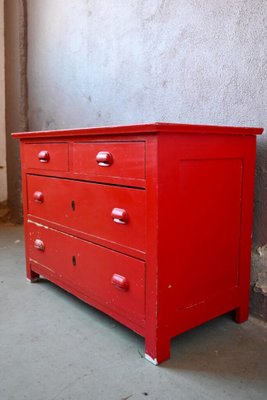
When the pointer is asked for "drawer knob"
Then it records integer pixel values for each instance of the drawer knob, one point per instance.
(44, 156)
(104, 159)
(119, 215)
(120, 282)
(39, 245)
(38, 197)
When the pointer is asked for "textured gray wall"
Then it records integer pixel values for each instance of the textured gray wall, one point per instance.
(98, 62)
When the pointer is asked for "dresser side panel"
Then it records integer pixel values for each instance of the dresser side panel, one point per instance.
(205, 215)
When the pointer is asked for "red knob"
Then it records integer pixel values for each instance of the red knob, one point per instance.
(104, 159)
(119, 216)
(38, 197)
(44, 156)
(39, 245)
(120, 282)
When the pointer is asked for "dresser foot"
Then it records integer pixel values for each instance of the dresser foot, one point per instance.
(157, 351)
(32, 276)
(241, 314)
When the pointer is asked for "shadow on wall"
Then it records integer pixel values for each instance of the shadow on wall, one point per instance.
(5, 214)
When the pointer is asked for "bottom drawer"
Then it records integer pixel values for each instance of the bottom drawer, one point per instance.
(113, 279)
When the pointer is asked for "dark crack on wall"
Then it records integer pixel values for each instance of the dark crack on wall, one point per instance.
(16, 97)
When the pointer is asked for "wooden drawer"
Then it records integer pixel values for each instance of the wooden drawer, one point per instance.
(112, 278)
(113, 213)
(114, 159)
(46, 156)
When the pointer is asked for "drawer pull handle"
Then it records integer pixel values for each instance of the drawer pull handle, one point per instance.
(120, 282)
(119, 215)
(39, 245)
(38, 197)
(104, 159)
(44, 156)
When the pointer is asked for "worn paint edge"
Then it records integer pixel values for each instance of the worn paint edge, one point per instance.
(32, 280)
(154, 361)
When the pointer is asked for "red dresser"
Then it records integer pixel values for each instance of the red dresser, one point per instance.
(150, 224)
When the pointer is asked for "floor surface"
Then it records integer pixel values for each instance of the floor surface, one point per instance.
(55, 347)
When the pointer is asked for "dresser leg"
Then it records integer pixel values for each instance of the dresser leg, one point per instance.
(157, 350)
(32, 276)
(241, 314)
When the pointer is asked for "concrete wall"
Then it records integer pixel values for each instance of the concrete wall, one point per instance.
(16, 96)
(3, 173)
(96, 62)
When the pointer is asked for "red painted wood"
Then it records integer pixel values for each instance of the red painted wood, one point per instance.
(46, 156)
(155, 127)
(206, 270)
(213, 256)
(93, 270)
(120, 159)
(242, 311)
(88, 207)
(86, 236)
(174, 251)
(134, 323)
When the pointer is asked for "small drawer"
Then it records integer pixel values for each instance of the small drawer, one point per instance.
(46, 156)
(113, 213)
(113, 279)
(110, 159)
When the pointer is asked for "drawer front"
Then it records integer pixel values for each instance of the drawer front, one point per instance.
(114, 213)
(46, 156)
(120, 159)
(115, 280)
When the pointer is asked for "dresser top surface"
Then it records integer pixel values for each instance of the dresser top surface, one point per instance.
(142, 129)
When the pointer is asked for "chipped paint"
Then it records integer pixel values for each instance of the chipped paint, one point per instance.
(37, 224)
(154, 361)
(45, 266)
(51, 229)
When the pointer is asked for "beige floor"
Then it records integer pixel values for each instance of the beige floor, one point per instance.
(54, 347)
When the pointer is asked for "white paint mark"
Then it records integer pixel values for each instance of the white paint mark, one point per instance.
(36, 223)
(154, 361)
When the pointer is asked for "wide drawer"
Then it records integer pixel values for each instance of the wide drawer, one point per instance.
(110, 159)
(113, 213)
(46, 156)
(114, 279)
